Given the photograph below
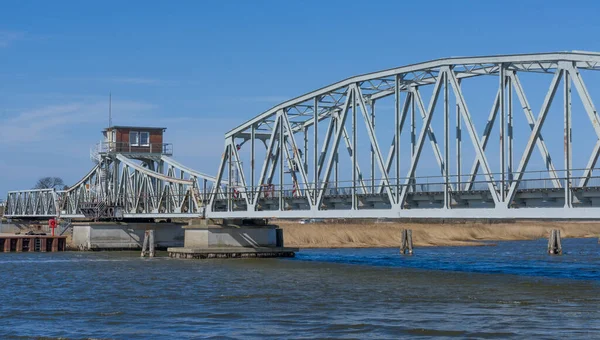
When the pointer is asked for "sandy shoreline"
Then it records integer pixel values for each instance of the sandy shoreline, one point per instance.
(387, 234)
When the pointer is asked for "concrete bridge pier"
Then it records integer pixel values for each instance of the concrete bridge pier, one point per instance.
(232, 239)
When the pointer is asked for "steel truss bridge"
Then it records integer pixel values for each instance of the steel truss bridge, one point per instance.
(322, 154)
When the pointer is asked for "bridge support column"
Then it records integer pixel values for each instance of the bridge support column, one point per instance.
(406, 247)
(554, 243)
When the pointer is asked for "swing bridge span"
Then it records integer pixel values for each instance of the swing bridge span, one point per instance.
(327, 153)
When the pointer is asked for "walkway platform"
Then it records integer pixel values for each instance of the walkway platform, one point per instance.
(32, 243)
(231, 252)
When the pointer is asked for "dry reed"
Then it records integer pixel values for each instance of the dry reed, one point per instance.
(387, 234)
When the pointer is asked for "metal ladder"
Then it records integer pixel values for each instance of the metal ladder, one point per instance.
(68, 224)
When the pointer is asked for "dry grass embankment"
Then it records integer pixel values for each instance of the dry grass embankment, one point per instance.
(387, 234)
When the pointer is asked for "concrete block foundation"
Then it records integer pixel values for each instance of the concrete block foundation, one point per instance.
(124, 236)
(227, 241)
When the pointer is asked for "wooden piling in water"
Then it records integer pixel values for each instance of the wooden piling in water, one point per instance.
(7, 245)
(19, 247)
(554, 243)
(151, 237)
(148, 244)
(406, 246)
(43, 245)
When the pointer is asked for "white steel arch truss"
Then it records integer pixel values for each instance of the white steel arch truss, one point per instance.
(304, 177)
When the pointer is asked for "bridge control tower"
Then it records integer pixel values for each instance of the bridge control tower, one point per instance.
(143, 141)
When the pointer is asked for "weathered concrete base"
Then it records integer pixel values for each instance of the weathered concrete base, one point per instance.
(207, 240)
(124, 236)
(231, 236)
(231, 252)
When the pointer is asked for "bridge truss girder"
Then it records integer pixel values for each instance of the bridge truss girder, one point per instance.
(341, 109)
(121, 187)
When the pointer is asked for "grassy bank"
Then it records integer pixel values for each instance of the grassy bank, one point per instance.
(387, 234)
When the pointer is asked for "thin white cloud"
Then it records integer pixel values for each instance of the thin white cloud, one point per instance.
(43, 123)
(8, 37)
(264, 99)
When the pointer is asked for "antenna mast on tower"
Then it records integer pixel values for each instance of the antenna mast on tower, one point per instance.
(109, 109)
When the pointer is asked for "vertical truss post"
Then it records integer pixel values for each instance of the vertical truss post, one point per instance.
(397, 131)
(339, 128)
(204, 192)
(230, 179)
(252, 162)
(281, 160)
(372, 149)
(413, 137)
(502, 88)
(567, 141)
(412, 123)
(458, 148)
(509, 122)
(354, 147)
(446, 143)
(315, 149)
(305, 153)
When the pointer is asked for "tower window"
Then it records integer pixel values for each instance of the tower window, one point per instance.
(144, 138)
(134, 138)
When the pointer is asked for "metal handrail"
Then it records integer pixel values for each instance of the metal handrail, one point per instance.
(117, 147)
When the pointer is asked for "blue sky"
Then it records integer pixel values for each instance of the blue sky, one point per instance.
(201, 68)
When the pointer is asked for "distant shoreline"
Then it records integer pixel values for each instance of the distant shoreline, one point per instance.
(387, 234)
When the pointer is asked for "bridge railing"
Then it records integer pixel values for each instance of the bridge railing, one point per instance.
(124, 147)
(531, 180)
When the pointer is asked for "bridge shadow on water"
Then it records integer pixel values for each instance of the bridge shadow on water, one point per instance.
(580, 261)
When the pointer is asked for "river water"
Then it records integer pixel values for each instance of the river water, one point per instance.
(509, 290)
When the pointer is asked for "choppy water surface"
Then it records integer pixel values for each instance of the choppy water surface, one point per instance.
(510, 290)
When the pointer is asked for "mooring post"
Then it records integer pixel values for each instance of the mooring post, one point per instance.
(145, 244)
(406, 242)
(554, 243)
(151, 241)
